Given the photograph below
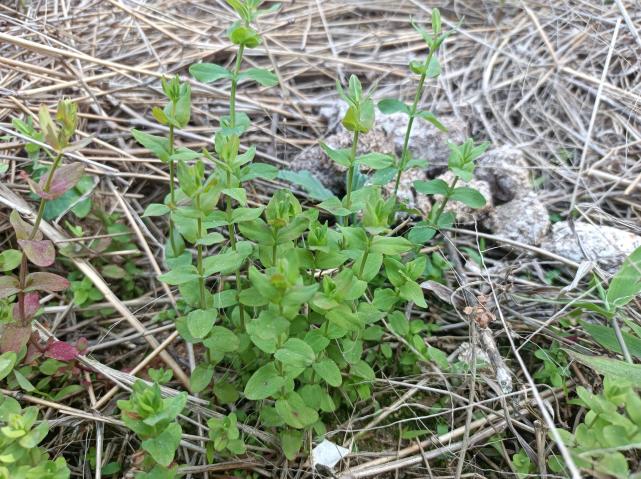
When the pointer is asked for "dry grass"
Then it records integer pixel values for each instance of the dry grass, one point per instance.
(534, 77)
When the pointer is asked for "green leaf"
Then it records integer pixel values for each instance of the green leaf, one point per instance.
(163, 447)
(156, 209)
(264, 77)
(7, 362)
(610, 367)
(23, 382)
(295, 412)
(399, 323)
(390, 245)
(265, 382)
(434, 67)
(421, 233)
(159, 146)
(308, 182)
(10, 259)
(389, 106)
(339, 155)
(239, 194)
(411, 291)
(607, 338)
(291, 441)
(363, 370)
(335, 207)
(222, 340)
(201, 377)
(225, 392)
(431, 118)
(258, 170)
(375, 161)
(209, 72)
(432, 187)
(296, 353)
(223, 263)
(200, 322)
(210, 239)
(180, 275)
(469, 196)
(245, 214)
(329, 372)
(626, 284)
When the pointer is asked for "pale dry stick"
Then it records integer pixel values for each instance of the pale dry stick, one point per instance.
(558, 440)
(15, 202)
(519, 244)
(145, 20)
(119, 67)
(595, 109)
(539, 28)
(449, 436)
(141, 238)
(139, 367)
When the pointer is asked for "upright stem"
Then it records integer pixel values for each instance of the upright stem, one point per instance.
(232, 122)
(24, 265)
(199, 263)
(234, 84)
(350, 171)
(410, 123)
(172, 194)
(443, 203)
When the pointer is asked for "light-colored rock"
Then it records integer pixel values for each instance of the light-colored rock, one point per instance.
(524, 219)
(606, 245)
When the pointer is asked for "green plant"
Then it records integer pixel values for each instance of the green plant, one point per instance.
(310, 299)
(20, 434)
(33, 248)
(153, 419)
(610, 431)
(224, 435)
(522, 464)
(430, 68)
(555, 369)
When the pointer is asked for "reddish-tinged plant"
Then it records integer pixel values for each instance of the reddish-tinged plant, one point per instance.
(33, 248)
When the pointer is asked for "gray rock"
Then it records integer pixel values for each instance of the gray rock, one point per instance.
(606, 245)
(524, 219)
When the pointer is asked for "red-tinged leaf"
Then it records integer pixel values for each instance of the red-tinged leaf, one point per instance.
(48, 282)
(61, 351)
(41, 253)
(14, 337)
(31, 306)
(9, 285)
(64, 178)
(21, 227)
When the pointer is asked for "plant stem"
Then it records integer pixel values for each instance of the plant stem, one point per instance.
(363, 261)
(234, 84)
(199, 260)
(232, 122)
(350, 171)
(410, 123)
(441, 206)
(24, 265)
(172, 195)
